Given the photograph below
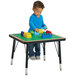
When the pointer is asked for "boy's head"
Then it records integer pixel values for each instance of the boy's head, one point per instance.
(38, 6)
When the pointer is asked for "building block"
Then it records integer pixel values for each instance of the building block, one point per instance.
(49, 32)
(26, 34)
(40, 31)
(46, 35)
(22, 33)
(44, 27)
(36, 33)
(32, 32)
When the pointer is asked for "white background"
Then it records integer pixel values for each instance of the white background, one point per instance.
(59, 16)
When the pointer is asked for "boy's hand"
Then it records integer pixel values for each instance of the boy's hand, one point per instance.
(36, 29)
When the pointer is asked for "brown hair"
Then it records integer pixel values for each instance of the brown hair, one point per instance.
(38, 4)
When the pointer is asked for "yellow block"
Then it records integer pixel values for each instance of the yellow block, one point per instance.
(40, 31)
(27, 35)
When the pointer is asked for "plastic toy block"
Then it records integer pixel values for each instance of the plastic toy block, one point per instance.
(49, 32)
(22, 33)
(44, 27)
(27, 35)
(40, 31)
(32, 32)
(48, 35)
(36, 33)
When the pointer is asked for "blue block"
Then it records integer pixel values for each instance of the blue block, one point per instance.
(44, 27)
(22, 33)
(48, 35)
(36, 33)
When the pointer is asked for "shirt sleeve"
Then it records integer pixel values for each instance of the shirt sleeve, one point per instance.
(32, 26)
(43, 22)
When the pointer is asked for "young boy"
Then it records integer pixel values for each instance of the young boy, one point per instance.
(36, 22)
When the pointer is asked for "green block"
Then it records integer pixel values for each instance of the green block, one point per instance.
(32, 32)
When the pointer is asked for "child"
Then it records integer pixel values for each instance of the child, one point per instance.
(35, 23)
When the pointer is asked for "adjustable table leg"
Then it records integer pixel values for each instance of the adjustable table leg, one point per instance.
(13, 50)
(44, 51)
(59, 49)
(26, 65)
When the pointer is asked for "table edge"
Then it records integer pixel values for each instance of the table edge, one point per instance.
(59, 39)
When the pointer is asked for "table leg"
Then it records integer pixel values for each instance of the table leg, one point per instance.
(26, 65)
(59, 51)
(44, 51)
(13, 50)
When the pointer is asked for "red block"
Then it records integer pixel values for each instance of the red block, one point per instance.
(49, 32)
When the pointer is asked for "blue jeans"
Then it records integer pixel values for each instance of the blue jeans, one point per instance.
(37, 49)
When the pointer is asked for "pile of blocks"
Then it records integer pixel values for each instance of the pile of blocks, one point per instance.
(37, 33)
(26, 34)
(47, 34)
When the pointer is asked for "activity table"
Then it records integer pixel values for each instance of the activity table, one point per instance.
(36, 39)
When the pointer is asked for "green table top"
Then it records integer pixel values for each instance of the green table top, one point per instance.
(35, 38)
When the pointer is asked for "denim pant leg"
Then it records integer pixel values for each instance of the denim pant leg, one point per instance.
(37, 49)
(30, 49)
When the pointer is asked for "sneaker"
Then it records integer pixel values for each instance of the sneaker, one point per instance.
(32, 58)
(38, 57)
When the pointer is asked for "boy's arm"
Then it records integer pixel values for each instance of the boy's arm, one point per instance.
(31, 24)
(43, 23)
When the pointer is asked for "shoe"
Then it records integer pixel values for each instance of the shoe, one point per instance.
(32, 58)
(38, 57)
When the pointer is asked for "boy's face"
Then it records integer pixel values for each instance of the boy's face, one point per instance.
(37, 11)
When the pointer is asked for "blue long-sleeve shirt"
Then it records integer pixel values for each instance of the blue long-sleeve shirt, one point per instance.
(35, 22)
